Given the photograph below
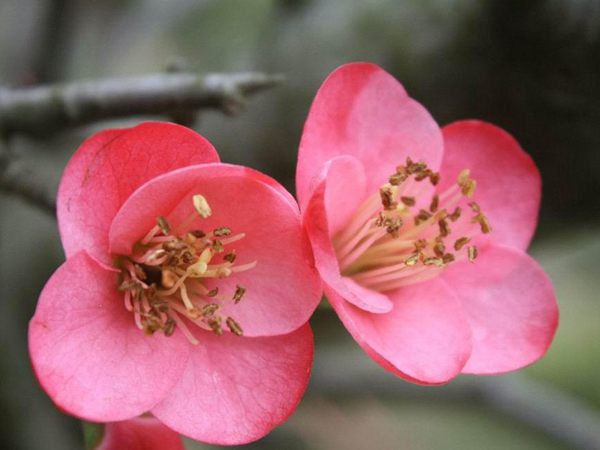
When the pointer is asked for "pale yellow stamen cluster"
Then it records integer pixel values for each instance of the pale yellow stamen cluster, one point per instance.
(164, 280)
(379, 251)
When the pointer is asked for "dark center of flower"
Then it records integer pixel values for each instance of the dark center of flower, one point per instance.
(165, 278)
(402, 235)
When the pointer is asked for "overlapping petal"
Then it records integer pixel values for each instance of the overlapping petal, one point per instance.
(511, 307)
(283, 289)
(88, 355)
(341, 181)
(508, 182)
(108, 167)
(425, 338)
(362, 111)
(235, 390)
(141, 433)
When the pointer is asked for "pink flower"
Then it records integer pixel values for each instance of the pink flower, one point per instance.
(419, 234)
(141, 433)
(186, 291)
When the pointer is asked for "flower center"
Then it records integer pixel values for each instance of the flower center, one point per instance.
(402, 235)
(165, 278)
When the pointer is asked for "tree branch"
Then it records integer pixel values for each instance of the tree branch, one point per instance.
(537, 405)
(18, 177)
(46, 109)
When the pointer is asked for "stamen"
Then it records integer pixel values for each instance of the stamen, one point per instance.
(234, 327)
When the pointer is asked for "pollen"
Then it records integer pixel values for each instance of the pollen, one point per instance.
(411, 230)
(169, 280)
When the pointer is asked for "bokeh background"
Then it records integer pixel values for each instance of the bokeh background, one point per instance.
(532, 67)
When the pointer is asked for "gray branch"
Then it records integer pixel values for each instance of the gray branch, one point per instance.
(45, 109)
(18, 177)
(538, 405)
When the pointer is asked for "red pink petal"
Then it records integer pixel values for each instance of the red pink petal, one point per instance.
(425, 338)
(283, 289)
(108, 167)
(508, 182)
(362, 111)
(141, 433)
(236, 390)
(87, 353)
(511, 307)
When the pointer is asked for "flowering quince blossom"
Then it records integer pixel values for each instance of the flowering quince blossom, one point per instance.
(419, 234)
(141, 433)
(186, 290)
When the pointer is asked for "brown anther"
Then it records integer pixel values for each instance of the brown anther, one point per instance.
(398, 178)
(198, 233)
(421, 175)
(217, 246)
(387, 198)
(187, 257)
(222, 231)
(230, 257)
(434, 178)
(234, 327)
(213, 292)
(393, 225)
(172, 261)
(444, 228)
(412, 260)
(408, 201)
(210, 309)
(435, 201)
(168, 278)
(475, 207)
(431, 261)
(422, 216)
(461, 242)
(239, 293)
(215, 325)
(127, 285)
(472, 253)
(415, 167)
(486, 227)
(448, 258)
(169, 327)
(420, 245)
(439, 249)
(159, 305)
(174, 245)
(455, 214)
(139, 272)
(466, 183)
(163, 224)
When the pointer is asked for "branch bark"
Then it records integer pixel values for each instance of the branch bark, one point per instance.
(537, 405)
(18, 177)
(46, 109)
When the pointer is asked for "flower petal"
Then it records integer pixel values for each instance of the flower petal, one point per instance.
(361, 110)
(329, 204)
(87, 353)
(283, 289)
(511, 306)
(424, 339)
(108, 167)
(236, 390)
(141, 433)
(508, 182)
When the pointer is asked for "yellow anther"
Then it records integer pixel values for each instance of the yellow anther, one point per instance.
(201, 205)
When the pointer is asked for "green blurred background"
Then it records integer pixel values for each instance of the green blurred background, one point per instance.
(532, 67)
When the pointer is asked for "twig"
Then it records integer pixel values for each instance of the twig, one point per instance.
(47, 109)
(20, 178)
(540, 406)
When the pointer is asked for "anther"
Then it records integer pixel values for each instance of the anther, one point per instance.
(234, 327)
(408, 201)
(455, 214)
(169, 327)
(201, 206)
(472, 253)
(168, 278)
(215, 325)
(435, 201)
(387, 197)
(213, 292)
(444, 228)
(222, 231)
(230, 257)
(412, 259)
(461, 242)
(163, 224)
(209, 310)
(239, 293)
